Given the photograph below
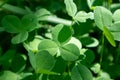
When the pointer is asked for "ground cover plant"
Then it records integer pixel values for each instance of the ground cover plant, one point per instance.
(59, 40)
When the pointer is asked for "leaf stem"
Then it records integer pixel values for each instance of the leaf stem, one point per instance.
(13, 8)
(69, 72)
(107, 3)
(102, 50)
(55, 19)
(101, 54)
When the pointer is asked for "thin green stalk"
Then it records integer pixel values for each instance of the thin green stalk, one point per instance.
(69, 71)
(72, 23)
(55, 19)
(101, 53)
(118, 54)
(102, 50)
(12, 8)
(107, 3)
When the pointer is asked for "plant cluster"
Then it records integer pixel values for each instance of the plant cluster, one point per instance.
(83, 44)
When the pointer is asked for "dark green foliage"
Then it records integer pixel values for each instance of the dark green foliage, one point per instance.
(59, 40)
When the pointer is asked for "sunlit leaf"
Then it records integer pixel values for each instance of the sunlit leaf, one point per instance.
(42, 12)
(70, 7)
(103, 17)
(33, 45)
(8, 75)
(76, 42)
(116, 35)
(116, 15)
(96, 68)
(48, 45)
(103, 76)
(115, 27)
(82, 16)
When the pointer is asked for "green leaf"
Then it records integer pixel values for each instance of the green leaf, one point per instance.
(90, 56)
(116, 15)
(33, 45)
(48, 45)
(81, 72)
(87, 56)
(61, 33)
(42, 12)
(64, 34)
(7, 55)
(115, 27)
(115, 30)
(90, 15)
(29, 22)
(89, 41)
(82, 16)
(116, 35)
(32, 59)
(44, 71)
(59, 62)
(103, 76)
(8, 75)
(7, 58)
(55, 31)
(70, 52)
(21, 37)
(70, 7)
(82, 28)
(21, 59)
(103, 17)
(76, 42)
(109, 36)
(96, 68)
(12, 24)
(25, 75)
(42, 62)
